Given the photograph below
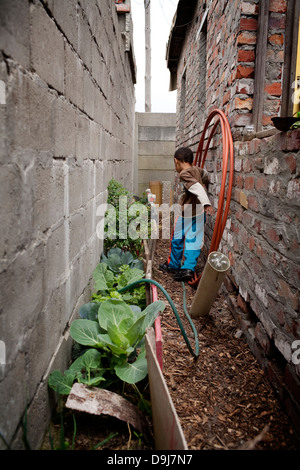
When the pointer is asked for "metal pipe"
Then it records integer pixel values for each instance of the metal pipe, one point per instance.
(215, 270)
(227, 157)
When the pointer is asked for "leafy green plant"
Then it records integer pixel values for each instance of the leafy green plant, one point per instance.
(123, 215)
(108, 282)
(116, 259)
(115, 345)
(296, 124)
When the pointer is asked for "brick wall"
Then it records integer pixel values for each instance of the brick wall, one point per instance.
(261, 236)
(67, 125)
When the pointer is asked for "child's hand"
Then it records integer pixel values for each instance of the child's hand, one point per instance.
(209, 210)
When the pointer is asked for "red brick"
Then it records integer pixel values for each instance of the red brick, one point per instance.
(253, 203)
(251, 243)
(122, 8)
(263, 338)
(272, 235)
(242, 304)
(246, 56)
(246, 37)
(278, 6)
(292, 163)
(244, 104)
(261, 184)
(277, 23)
(244, 72)
(267, 120)
(226, 97)
(277, 39)
(239, 181)
(248, 24)
(249, 182)
(274, 89)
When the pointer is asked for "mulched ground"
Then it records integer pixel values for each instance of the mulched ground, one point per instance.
(223, 399)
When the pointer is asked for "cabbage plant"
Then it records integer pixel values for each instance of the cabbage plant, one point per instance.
(112, 334)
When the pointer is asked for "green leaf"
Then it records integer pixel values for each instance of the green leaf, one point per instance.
(88, 368)
(117, 336)
(103, 277)
(90, 360)
(114, 251)
(151, 312)
(115, 349)
(138, 263)
(116, 312)
(129, 276)
(135, 372)
(61, 383)
(86, 332)
(136, 332)
(89, 311)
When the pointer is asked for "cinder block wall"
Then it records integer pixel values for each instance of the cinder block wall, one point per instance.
(261, 237)
(155, 146)
(67, 127)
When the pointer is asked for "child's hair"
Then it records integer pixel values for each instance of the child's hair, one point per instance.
(184, 154)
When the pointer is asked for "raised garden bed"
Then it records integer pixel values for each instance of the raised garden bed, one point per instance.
(221, 400)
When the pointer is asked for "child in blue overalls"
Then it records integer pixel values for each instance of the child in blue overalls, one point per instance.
(188, 234)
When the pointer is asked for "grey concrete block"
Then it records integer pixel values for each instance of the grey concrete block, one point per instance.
(29, 113)
(56, 256)
(84, 40)
(48, 195)
(155, 148)
(47, 48)
(156, 133)
(74, 77)
(15, 30)
(65, 13)
(156, 162)
(82, 137)
(12, 404)
(88, 95)
(157, 119)
(64, 129)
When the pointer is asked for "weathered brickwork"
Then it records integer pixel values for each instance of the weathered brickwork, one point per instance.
(261, 237)
(66, 124)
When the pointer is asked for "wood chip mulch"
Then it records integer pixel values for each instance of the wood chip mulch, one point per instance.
(223, 398)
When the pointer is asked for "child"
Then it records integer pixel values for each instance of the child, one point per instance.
(188, 234)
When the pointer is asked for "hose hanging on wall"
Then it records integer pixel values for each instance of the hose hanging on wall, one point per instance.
(227, 157)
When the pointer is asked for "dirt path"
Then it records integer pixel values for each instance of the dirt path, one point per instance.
(223, 399)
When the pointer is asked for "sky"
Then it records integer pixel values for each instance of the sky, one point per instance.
(162, 13)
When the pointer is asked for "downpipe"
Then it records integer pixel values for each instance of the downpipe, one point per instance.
(214, 273)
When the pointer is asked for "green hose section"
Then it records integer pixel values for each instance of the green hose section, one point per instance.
(151, 281)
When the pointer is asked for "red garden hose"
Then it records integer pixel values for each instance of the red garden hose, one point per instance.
(227, 155)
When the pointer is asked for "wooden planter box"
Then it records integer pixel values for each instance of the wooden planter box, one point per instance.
(168, 434)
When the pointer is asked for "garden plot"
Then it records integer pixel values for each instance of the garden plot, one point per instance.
(223, 399)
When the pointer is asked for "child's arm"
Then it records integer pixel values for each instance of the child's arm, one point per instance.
(200, 192)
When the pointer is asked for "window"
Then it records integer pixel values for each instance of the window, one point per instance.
(202, 40)
(182, 102)
(296, 96)
(291, 70)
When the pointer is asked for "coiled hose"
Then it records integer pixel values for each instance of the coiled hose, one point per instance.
(195, 353)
